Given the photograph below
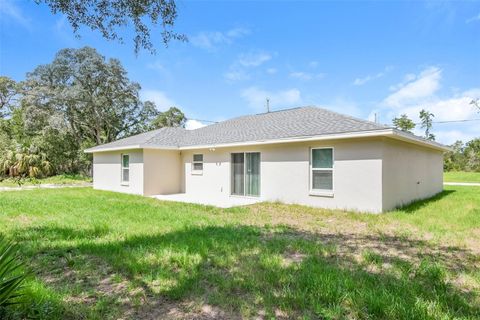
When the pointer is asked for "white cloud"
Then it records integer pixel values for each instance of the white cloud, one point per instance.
(422, 86)
(305, 76)
(473, 19)
(10, 11)
(370, 77)
(253, 59)
(420, 91)
(210, 40)
(238, 69)
(256, 98)
(193, 124)
(159, 97)
(313, 64)
(237, 33)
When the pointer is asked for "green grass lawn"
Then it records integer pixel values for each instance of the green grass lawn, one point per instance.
(104, 255)
(460, 176)
(58, 179)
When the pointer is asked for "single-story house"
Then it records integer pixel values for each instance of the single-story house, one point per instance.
(307, 155)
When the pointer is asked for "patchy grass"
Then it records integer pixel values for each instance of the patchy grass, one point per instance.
(460, 176)
(104, 255)
(58, 179)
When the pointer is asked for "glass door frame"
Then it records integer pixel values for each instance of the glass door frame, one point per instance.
(245, 174)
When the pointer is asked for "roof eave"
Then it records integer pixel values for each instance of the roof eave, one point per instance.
(129, 147)
(399, 135)
(391, 133)
(388, 132)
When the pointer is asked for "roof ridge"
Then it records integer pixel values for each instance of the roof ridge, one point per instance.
(352, 117)
(253, 115)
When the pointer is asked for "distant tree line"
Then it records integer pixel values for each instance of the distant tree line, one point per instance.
(78, 100)
(463, 157)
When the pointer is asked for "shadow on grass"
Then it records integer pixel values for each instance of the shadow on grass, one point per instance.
(255, 271)
(417, 205)
(276, 271)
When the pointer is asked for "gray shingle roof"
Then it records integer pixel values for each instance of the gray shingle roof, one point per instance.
(164, 137)
(290, 123)
(297, 122)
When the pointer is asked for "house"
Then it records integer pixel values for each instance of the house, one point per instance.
(307, 155)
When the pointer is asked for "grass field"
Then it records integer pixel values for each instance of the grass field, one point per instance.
(59, 179)
(460, 176)
(103, 255)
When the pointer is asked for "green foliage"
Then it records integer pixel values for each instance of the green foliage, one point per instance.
(85, 95)
(21, 163)
(173, 117)
(403, 123)
(11, 277)
(426, 118)
(8, 93)
(78, 100)
(108, 16)
(463, 157)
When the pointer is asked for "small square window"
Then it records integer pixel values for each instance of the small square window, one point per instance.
(197, 164)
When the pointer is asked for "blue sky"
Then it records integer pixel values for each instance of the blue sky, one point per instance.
(357, 58)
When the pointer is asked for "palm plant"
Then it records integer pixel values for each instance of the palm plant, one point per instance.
(23, 163)
(11, 277)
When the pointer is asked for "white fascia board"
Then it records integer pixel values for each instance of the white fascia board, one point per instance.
(129, 147)
(391, 133)
(94, 150)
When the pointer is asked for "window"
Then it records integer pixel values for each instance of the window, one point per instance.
(321, 173)
(197, 164)
(125, 168)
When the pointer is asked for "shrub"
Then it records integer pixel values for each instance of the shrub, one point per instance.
(11, 274)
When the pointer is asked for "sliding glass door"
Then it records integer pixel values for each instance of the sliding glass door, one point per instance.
(238, 174)
(246, 174)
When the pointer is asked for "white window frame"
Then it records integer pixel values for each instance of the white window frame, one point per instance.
(124, 182)
(322, 192)
(197, 172)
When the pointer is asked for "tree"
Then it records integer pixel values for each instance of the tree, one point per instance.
(426, 118)
(403, 123)
(173, 117)
(108, 16)
(8, 94)
(472, 155)
(455, 160)
(83, 93)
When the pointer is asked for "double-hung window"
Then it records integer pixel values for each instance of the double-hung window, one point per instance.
(321, 171)
(197, 164)
(125, 168)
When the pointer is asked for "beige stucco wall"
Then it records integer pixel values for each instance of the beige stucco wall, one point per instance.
(285, 174)
(162, 171)
(372, 175)
(410, 173)
(107, 171)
